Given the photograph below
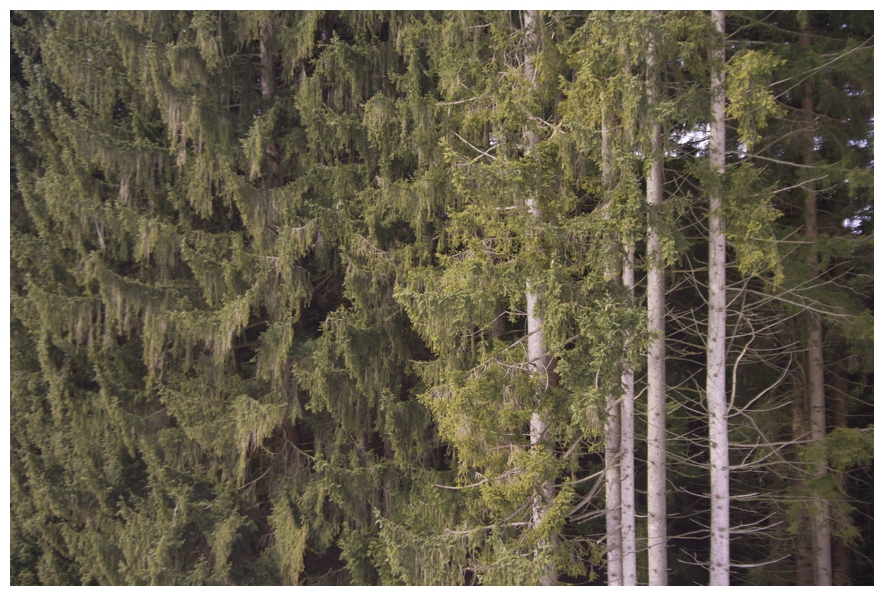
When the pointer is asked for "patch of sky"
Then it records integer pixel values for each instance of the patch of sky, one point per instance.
(855, 223)
(697, 136)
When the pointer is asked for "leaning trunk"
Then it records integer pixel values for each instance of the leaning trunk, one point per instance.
(716, 394)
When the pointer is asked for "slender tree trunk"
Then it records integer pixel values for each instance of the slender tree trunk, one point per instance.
(716, 393)
(820, 529)
(542, 364)
(613, 492)
(627, 446)
(613, 513)
(803, 550)
(539, 359)
(657, 537)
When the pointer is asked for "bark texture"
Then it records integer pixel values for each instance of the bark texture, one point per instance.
(820, 528)
(627, 448)
(613, 493)
(803, 552)
(716, 392)
(657, 538)
(542, 364)
(539, 358)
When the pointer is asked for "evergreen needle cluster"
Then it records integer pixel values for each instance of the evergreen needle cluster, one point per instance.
(441, 298)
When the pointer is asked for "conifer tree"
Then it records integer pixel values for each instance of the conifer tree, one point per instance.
(613, 405)
(785, 163)
(206, 259)
(716, 337)
(657, 535)
(538, 357)
(365, 297)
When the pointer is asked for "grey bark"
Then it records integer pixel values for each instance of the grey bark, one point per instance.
(538, 357)
(627, 447)
(613, 493)
(716, 393)
(803, 551)
(820, 528)
(541, 363)
(657, 536)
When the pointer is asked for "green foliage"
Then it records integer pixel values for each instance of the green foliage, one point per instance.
(845, 448)
(291, 541)
(274, 330)
(751, 102)
(750, 215)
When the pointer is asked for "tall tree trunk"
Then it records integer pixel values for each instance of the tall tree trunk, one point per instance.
(820, 529)
(657, 538)
(613, 513)
(542, 364)
(803, 549)
(627, 446)
(613, 492)
(539, 359)
(716, 393)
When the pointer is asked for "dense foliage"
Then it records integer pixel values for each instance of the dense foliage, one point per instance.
(280, 279)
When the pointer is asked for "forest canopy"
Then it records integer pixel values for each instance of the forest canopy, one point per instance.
(441, 297)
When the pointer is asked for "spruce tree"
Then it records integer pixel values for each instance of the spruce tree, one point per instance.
(716, 335)
(364, 297)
